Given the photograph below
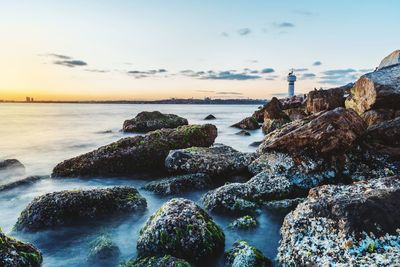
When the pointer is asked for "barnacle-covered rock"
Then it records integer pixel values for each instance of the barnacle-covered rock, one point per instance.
(162, 261)
(244, 255)
(147, 121)
(71, 207)
(181, 229)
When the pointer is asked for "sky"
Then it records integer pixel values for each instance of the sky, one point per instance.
(144, 50)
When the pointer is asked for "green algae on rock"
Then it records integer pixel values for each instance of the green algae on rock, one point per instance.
(103, 252)
(245, 222)
(149, 121)
(182, 229)
(162, 261)
(242, 254)
(71, 207)
(14, 253)
(140, 153)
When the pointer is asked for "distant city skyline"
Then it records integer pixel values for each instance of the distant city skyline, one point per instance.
(148, 50)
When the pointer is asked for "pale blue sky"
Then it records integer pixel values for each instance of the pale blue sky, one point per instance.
(159, 49)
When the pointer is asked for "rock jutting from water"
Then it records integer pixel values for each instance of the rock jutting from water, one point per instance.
(161, 261)
(182, 229)
(248, 123)
(210, 117)
(15, 253)
(244, 223)
(103, 252)
(22, 182)
(12, 166)
(243, 133)
(140, 153)
(345, 225)
(71, 207)
(179, 184)
(274, 117)
(242, 254)
(149, 121)
(215, 160)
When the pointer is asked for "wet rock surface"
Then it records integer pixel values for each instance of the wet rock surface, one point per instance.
(182, 229)
(14, 253)
(103, 252)
(164, 261)
(243, 133)
(216, 160)
(149, 121)
(179, 184)
(350, 224)
(23, 182)
(243, 223)
(130, 155)
(248, 123)
(243, 254)
(71, 207)
(284, 206)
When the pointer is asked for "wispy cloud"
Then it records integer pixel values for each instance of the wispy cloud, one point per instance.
(284, 24)
(70, 63)
(97, 70)
(308, 76)
(229, 75)
(58, 56)
(228, 93)
(317, 63)
(138, 74)
(339, 76)
(267, 70)
(300, 69)
(244, 31)
(224, 34)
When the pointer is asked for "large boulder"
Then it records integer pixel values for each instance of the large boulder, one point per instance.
(390, 60)
(130, 155)
(375, 116)
(385, 137)
(216, 160)
(376, 90)
(160, 261)
(296, 101)
(181, 229)
(103, 252)
(15, 253)
(295, 113)
(71, 207)
(179, 184)
(320, 100)
(248, 123)
(242, 254)
(274, 117)
(349, 225)
(149, 121)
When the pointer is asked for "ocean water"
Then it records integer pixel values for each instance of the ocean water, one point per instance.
(42, 135)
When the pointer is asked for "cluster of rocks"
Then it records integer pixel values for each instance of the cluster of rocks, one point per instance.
(149, 121)
(154, 261)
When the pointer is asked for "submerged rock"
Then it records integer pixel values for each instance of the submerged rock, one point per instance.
(242, 254)
(216, 160)
(26, 181)
(390, 60)
(14, 253)
(345, 225)
(179, 184)
(376, 90)
(12, 166)
(245, 222)
(210, 117)
(164, 261)
(71, 207)
(149, 121)
(181, 229)
(103, 252)
(130, 155)
(248, 123)
(256, 143)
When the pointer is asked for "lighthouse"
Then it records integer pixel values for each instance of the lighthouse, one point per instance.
(291, 78)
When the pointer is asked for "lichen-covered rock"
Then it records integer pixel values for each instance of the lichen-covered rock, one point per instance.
(320, 100)
(352, 225)
(130, 155)
(71, 207)
(390, 60)
(244, 255)
(210, 117)
(103, 252)
(179, 184)
(14, 253)
(149, 121)
(26, 181)
(216, 160)
(376, 90)
(12, 166)
(181, 229)
(245, 222)
(164, 261)
(248, 123)
(375, 116)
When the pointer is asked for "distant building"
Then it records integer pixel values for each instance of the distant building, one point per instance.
(28, 99)
(291, 78)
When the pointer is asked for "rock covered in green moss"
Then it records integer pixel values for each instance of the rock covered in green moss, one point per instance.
(14, 253)
(245, 222)
(182, 229)
(140, 153)
(216, 160)
(244, 255)
(71, 207)
(103, 252)
(179, 184)
(147, 121)
(162, 261)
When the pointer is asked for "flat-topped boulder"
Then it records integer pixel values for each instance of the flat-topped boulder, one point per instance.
(320, 100)
(182, 229)
(243, 254)
(390, 60)
(248, 123)
(344, 225)
(376, 90)
(15, 253)
(71, 207)
(140, 153)
(147, 121)
(156, 261)
(215, 160)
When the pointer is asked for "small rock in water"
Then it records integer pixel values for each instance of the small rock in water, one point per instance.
(248, 123)
(149, 121)
(12, 167)
(243, 254)
(243, 132)
(103, 252)
(256, 144)
(156, 261)
(26, 181)
(245, 222)
(210, 117)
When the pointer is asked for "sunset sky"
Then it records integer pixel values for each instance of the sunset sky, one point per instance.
(81, 50)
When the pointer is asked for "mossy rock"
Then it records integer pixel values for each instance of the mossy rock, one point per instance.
(242, 254)
(149, 121)
(182, 229)
(162, 261)
(103, 252)
(245, 222)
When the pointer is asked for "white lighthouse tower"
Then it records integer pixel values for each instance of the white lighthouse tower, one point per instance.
(291, 78)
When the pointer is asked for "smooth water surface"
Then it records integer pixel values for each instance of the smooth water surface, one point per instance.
(42, 135)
